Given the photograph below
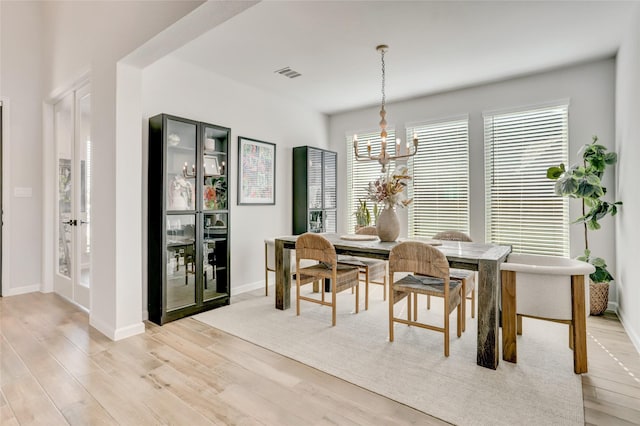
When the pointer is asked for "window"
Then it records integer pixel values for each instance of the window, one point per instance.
(440, 185)
(521, 206)
(360, 173)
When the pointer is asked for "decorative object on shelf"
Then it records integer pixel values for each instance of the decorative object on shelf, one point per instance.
(180, 194)
(173, 139)
(389, 190)
(215, 193)
(383, 158)
(209, 144)
(211, 167)
(256, 172)
(584, 182)
(185, 170)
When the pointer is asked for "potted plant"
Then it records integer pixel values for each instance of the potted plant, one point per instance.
(584, 182)
(363, 217)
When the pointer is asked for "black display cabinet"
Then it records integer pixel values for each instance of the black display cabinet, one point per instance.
(188, 217)
(314, 190)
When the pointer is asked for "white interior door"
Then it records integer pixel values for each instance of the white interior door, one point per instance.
(72, 135)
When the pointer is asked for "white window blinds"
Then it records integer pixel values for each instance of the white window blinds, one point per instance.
(360, 173)
(521, 207)
(440, 185)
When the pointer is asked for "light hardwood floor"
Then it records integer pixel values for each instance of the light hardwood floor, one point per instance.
(55, 369)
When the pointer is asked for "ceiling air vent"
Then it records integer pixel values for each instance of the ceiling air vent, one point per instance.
(288, 72)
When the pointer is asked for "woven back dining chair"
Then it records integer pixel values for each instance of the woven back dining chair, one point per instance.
(428, 270)
(316, 247)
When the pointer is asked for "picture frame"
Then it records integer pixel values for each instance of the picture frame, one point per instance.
(256, 172)
(211, 166)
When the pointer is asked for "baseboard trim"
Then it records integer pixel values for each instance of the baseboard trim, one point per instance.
(119, 333)
(20, 290)
(248, 287)
(633, 336)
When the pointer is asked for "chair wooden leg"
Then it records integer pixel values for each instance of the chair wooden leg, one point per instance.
(578, 318)
(298, 294)
(391, 307)
(409, 297)
(384, 286)
(320, 284)
(446, 330)
(463, 303)
(519, 325)
(366, 289)
(571, 336)
(460, 322)
(428, 302)
(509, 347)
(333, 303)
(415, 307)
(357, 298)
(473, 303)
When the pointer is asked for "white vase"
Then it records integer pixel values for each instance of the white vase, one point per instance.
(388, 225)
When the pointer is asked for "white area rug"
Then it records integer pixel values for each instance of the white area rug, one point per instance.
(540, 389)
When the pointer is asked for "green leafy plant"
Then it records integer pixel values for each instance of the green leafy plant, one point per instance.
(363, 217)
(376, 212)
(583, 181)
(601, 275)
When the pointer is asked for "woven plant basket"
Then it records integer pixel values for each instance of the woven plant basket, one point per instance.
(599, 297)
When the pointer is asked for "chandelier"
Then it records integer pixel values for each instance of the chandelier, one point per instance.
(383, 158)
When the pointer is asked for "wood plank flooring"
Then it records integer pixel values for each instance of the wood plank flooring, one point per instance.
(55, 369)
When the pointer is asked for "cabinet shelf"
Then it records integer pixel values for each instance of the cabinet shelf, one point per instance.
(214, 153)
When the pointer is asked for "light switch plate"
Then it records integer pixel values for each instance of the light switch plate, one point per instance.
(22, 192)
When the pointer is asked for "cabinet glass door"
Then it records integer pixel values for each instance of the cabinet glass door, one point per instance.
(330, 179)
(215, 213)
(181, 261)
(214, 251)
(314, 178)
(181, 165)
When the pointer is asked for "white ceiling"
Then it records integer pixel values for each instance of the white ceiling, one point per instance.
(433, 46)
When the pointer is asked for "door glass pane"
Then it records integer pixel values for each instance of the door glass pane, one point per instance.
(330, 192)
(63, 134)
(215, 256)
(314, 179)
(181, 165)
(181, 261)
(83, 113)
(214, 169)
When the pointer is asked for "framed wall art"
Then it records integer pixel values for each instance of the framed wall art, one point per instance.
(256, 172)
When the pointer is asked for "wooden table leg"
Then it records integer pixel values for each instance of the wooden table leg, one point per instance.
(579, 324)
(488, 292)
(509, 347)
(283, 276)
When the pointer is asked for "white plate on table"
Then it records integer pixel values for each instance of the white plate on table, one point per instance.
(358, 237)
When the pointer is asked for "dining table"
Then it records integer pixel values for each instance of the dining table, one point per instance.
(481, 257)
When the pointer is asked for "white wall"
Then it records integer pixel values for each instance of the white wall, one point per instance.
(46, 48)
(628, 148)
(174, 87)
(589, 88)
(21, 92)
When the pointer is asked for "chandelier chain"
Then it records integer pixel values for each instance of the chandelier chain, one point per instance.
(383, 79)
